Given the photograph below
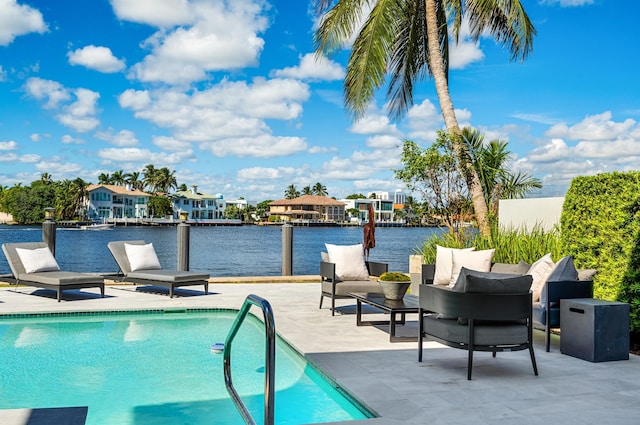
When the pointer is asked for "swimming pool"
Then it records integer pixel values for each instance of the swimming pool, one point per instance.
(157, 368)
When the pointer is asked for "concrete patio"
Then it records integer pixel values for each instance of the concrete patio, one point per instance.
(387, 377)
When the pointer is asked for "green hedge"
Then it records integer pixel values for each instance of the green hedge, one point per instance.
(600, 225)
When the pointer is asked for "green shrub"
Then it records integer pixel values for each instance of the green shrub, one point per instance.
(511, 245)
(601, 229)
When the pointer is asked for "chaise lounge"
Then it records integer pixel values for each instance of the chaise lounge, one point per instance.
(139, 264)
(32, 264)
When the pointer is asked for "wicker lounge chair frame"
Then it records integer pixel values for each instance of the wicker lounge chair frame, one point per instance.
(53, 280)
(170, 279)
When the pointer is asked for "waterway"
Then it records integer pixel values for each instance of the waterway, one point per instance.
(222, 250)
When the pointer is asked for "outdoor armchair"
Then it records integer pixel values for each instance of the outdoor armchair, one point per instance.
(339, 289)
(492, 314)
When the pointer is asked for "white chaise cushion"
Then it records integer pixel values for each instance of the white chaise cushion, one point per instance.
(444, 262)
(142, 257)
(349, 261)
(37, 260)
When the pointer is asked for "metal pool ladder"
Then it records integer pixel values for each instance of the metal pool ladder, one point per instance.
(270, 359)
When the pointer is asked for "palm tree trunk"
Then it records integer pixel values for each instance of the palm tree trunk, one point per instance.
(436, 63)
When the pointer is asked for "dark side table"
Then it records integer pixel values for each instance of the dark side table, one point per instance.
(594, 330)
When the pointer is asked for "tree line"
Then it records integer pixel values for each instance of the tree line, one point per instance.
(27, 203)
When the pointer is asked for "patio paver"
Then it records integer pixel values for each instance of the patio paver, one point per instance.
(387, 376)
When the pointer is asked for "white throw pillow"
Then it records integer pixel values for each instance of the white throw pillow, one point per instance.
(444, 260)
(472, 260)
(142, 257)
(349, 261)
(540, 271)
(37, 260)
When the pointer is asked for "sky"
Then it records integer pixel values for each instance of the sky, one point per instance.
(230, 95)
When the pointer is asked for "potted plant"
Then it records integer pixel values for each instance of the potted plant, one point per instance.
(394, 284)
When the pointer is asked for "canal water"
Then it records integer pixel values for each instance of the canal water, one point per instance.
(222, 250)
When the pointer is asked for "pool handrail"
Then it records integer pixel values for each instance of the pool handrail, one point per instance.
(270, 359)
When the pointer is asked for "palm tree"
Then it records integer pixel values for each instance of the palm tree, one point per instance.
(150, 177)
(408, 40)
(45, 178)
(307, 190)
(491, 161)
(104, 178)
(291, 192)
(165, 180)
(119, 178)
(319, 189)
(133, 179)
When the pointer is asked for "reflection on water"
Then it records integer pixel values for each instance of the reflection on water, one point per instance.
(222, 251)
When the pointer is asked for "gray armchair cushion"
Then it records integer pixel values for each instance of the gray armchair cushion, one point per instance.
(493, 333)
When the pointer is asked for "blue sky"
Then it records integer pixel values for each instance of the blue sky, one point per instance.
(228, 94)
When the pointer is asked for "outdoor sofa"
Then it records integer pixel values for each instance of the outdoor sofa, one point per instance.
(546, 310)
(144, 267)
(32, 264)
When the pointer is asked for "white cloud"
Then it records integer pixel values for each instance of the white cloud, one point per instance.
(228, 118)
(424, 120)
(8, 146)
(53, 92)
(593, 127)
(567, 3)
(313, 68)
(80, 115)
(30, 158)
(123, 138)
(171, 144)
(611, 149)
(3, 75)
(158, 13)
(17, 19)
(374, 123)
(321, 149)
(134, 99)
(384, 141)
(263, 146)
(59, 166)
(68, 139)
(466, 51)
(269, 173)
(96, 57)
(555, 150)
(142, 155)
(223, 36)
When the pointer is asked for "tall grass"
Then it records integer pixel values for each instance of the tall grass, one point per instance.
(511, 245)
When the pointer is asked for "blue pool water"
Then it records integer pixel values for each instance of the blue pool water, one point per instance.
(157, 368)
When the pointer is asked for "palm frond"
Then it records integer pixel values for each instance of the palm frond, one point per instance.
(507, 22)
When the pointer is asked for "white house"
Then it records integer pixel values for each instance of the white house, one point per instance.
(198, 205)
(382, 208)
(110, 202)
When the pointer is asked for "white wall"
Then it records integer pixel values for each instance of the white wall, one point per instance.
(518, 213)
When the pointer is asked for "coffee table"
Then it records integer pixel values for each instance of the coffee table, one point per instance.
(409, 304)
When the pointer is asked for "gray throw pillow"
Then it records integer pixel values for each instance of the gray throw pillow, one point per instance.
(490, 282)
